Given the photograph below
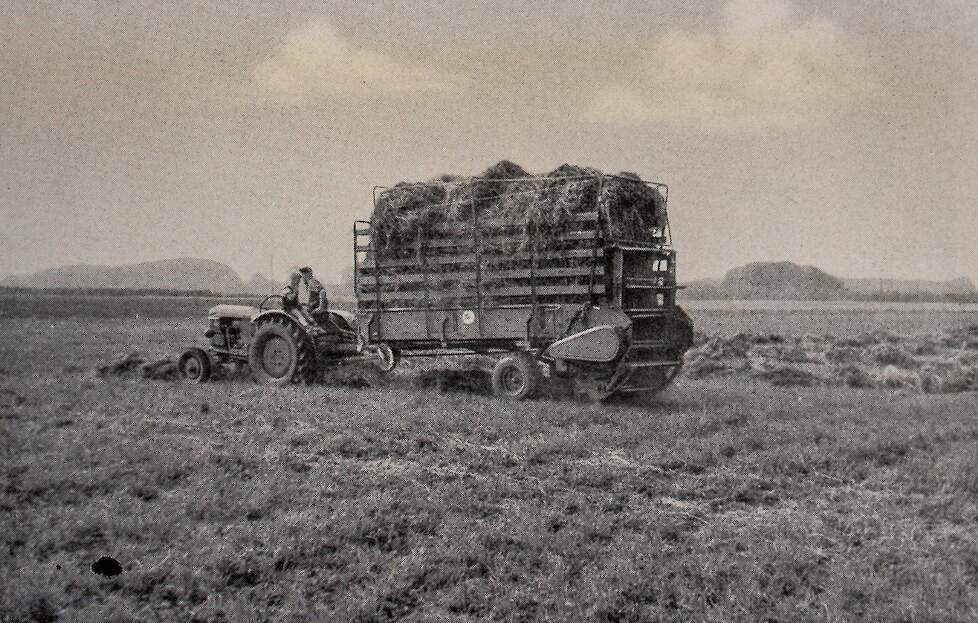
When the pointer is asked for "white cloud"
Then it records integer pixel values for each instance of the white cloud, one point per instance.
(748, 16)
(316, 62)
(761, 70)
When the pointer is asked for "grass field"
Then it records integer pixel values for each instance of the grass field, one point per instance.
(722, 500)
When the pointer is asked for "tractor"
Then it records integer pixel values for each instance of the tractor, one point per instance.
(280, 344)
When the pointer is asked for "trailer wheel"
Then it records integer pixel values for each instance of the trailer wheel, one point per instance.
(516, 377)
(389, 357)
(195, 365)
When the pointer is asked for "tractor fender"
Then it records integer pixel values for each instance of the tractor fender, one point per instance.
(601, 344)
(276, 313)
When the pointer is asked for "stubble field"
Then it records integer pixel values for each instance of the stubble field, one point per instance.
(724, 499)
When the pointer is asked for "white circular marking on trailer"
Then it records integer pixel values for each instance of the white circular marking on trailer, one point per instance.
(468, 316)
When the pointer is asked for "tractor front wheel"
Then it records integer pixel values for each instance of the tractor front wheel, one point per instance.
(516, 377)
(195, 365)
(281, 354)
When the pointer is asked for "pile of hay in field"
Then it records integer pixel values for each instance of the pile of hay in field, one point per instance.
(356, 375)
(941, 363)
(122, 365)
(507, 193)
(131, 364)
(471, 380)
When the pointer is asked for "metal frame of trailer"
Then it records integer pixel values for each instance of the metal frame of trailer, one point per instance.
(450, 291)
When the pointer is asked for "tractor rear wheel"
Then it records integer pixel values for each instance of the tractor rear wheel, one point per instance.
(516, 377)
(195, 365)
(281, 354)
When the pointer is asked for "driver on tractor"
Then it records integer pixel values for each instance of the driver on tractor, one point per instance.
(317, 305)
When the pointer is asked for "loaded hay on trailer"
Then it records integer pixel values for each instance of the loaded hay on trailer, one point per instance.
(432, 242)
(506, 194)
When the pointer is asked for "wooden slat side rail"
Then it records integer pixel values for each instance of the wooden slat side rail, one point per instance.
(487, 275)
(495, 292)
(369, 264)
(544, 290)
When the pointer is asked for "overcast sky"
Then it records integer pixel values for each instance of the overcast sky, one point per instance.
(825, 132)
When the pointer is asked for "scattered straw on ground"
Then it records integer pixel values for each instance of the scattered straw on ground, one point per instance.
(941, 363)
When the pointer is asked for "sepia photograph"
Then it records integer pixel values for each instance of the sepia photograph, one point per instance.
(459, 311)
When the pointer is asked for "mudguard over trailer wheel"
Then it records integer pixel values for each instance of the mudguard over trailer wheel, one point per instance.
(599, 384)
(516, 377)
(650, 381)
(280, 354)
(195, 365)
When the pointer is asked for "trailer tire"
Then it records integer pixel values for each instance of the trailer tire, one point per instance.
(389, 358)
(516, 377)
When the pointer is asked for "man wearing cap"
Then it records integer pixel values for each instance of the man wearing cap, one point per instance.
(317, 305)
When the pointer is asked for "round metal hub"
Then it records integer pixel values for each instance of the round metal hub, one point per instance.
(276, 357)
(192, 368)
(387, 359)
(513, 380)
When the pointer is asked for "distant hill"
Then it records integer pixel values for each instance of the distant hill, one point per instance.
(757, 280)
(175, 274)
(704, 289)
(260, 284)
(961, 286)
(781, 280)
(786, 280)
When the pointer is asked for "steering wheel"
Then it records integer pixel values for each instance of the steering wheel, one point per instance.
(261, 306)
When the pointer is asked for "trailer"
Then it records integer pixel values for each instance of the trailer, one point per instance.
(584, 306)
